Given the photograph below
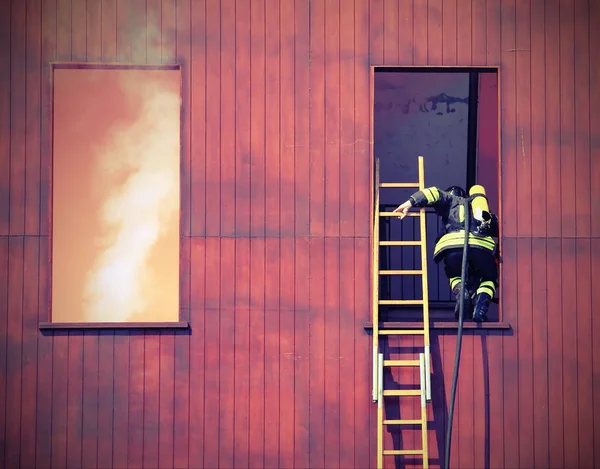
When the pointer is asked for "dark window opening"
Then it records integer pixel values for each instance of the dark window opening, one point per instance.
(450, 116)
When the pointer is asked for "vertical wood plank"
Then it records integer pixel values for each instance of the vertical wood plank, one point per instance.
(434, 32)
(203, 356)
(553, 119)
(151, 387)
(317, 360)
(183, 51)
(228, 119)
(121, 397)
(364, 427)
(168, 30)
(5, 91)
(212, 371)
(526, 368)
(584, 383)
(302, 348)
(317, 120)
(408, 49)
(420, 45)
(391, 21)
(510, 357)
(109, 30)
(182, 398)
(227, 287)
(155, 16)
(94, 31)
(348, 144)
(556, 394)
(595, 330)
(258, 118)
(273, 122)
(287, 113)
(376, 31)
(31, 274)
(241, 338)
(302, 125)
(43, 426)
(569, 311)
(78, 31)
(214, 204)
(333, 197)
(167, 385)
(449, 32)
(257, 348)
(478, 33)
(4, 266)
(594, 18)
(495, 402)
(243, 168)
(287, 353)
(124, 42)
(464, 33)
(136, 404)
(348, 348)
(508, 84)
(538, 119)
(464, 423)
(32, 113)
(581, 124)
(273, 356)
(333, 352)
(107, 405)
(90, 399)
(182, 368)
(362, 120)
(59, 399)
(523, 115)
(49, 42)
(18, 123)
(13, 357)
(566, 92)
(492, 24)
(539, 348)
(196, 112)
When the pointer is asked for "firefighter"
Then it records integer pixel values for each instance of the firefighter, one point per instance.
(449, 204)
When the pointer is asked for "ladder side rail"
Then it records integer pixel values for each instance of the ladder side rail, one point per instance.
(375, 286)
(425, 284)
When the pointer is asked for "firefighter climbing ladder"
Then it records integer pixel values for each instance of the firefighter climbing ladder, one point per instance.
(423, 362)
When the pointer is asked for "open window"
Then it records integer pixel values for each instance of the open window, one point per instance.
(450, 116)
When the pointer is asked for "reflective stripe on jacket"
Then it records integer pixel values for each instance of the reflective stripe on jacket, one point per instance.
(451, 209)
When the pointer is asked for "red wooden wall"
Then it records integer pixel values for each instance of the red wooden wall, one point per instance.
(275, 208)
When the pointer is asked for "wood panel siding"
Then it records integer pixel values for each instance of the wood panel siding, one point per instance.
(275, 370)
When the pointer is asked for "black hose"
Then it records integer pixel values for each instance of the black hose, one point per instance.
(459, 336)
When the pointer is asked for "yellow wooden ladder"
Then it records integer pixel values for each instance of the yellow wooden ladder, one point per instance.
(423, 361)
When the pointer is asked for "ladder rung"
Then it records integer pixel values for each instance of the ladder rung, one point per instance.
(397, 214)
(400, 243)
(400, 184)
(402, 422)
(401, 331)
(401, 362)
(402, 451)
(400, 272)
(402, 392)
(400, 302)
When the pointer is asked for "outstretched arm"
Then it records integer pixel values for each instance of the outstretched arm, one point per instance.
(430, 196)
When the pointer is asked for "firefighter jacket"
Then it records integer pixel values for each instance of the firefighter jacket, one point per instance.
(452, 211)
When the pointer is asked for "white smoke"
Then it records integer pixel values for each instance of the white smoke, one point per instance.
(139, 169)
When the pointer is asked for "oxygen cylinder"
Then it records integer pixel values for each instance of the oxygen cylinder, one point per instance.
(479, 204)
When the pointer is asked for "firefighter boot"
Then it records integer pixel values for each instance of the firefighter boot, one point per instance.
(482, 304)
(467, 301)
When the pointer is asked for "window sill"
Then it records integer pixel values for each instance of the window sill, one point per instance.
(114, 325)
(436, 324)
